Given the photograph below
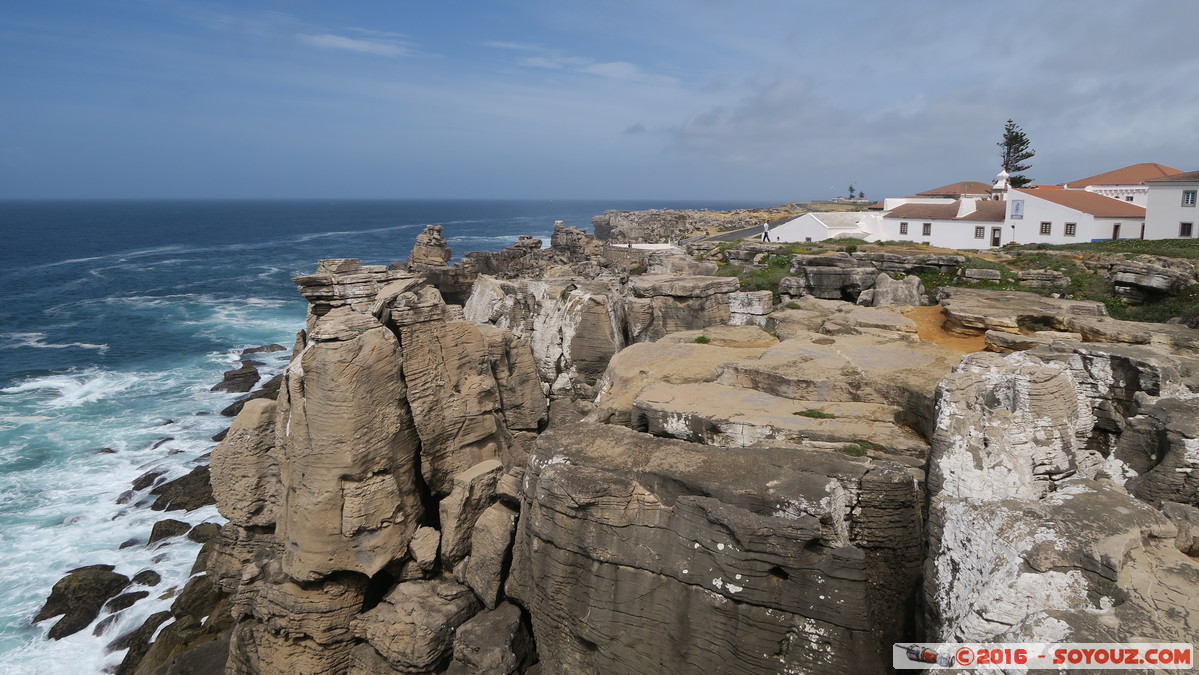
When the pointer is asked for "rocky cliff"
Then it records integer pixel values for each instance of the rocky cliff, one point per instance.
(614, 473)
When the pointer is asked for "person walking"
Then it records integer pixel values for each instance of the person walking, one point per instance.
(765, 231)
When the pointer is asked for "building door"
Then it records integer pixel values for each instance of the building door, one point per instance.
(1115, 231)
(996, 236)
(1142, 230)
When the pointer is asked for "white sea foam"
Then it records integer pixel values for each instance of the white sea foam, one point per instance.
(67, 390)
(38, 341)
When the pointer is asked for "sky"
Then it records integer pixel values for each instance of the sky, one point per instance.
(755, 100)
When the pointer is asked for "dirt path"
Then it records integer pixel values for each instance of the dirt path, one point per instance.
(929, 326)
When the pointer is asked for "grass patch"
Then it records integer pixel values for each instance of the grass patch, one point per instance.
(815, 414)
(859, 448)
(1168, 248)
(703, 340)
(1184, 306)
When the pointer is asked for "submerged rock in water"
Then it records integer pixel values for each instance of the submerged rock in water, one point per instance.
(78, 598)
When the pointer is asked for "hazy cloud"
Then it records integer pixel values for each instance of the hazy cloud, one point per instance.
(362, 45)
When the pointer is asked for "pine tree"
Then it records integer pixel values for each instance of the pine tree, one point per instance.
(1015, 152)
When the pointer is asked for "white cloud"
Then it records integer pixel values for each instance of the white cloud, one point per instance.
(552, 59)
(362, 45)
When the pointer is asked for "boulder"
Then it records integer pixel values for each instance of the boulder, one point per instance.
(165, 529)
(185, 493)
(473, 492)
(493, 642)
(865, 368)
(424, 546)
(490, 546)
(412, 629)
(239, 380)
(78, 597)
(888, 291)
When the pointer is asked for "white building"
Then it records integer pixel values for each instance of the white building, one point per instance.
(1127, 184)
(826, 225)
(1057, 216)
(1171, 210)
(969, 223)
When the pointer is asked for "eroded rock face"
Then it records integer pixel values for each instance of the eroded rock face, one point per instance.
(245, 468)
(1031, 536)
(412, 629)
(287, 626)
(755, 561)
(348, 449)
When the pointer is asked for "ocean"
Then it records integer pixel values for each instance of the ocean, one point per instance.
(118, 318)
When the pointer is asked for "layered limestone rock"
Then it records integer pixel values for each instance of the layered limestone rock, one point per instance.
(348, 450)
(865, 368)
(973, 311)
(1031, 536)
(835, 277)
(245, 468)
(888, 291)
(762, 560)
(335, 493)
(575, 326)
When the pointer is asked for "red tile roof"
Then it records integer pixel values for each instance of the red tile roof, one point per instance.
(1129, 175)
(990, 210)
(1088, 202)
(1188, 177)
(967, 187)
(987, 210)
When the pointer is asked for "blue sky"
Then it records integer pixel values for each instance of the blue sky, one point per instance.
(699, 99)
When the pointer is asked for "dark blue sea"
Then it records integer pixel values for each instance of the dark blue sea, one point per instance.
(116, 319)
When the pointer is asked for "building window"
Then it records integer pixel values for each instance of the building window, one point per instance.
(1188, 197)
(1071, 229)
(1046, 228)
(928, 229)
(980, 232)
(1184, 229)
(807, 240)
(903, 228)
(1128, 199)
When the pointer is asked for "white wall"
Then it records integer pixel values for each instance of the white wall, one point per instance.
(1122, 192)
(1028, 229)
(945, 233)
(1165, 210)
(798, 229)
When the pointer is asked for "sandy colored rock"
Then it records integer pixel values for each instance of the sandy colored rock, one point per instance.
(670, 360)
(285, 626)
(245, 467)
(1009, 311)
(473, 491)
(347, 449)
(718, 415)
(733, 559)
(424, 546)
(413, 628)
(849, 368)
(491, 543)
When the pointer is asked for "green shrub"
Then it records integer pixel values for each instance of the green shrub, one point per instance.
(703, 339)
(815, 414)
